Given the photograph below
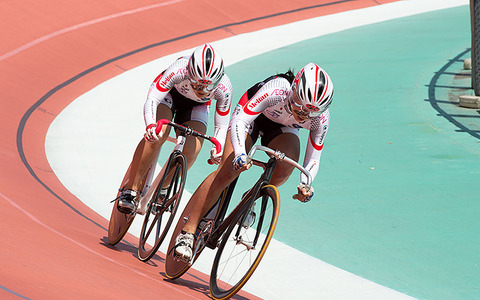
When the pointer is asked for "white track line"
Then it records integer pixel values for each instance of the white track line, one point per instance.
(83, 246)
(90, 144)
(81, 25)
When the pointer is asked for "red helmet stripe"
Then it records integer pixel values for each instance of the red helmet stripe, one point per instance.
(316, 86)
(203, 58)
(204, 63)
(213, 62)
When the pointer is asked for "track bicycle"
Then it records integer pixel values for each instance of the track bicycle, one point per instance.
(152, 196)
(241, 236)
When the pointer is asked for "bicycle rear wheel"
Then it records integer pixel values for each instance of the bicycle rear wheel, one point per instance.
(161, 209)
(120, 222)
(244, 244)
(118, 225)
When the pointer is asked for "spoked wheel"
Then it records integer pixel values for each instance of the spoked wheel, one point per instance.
(244, 244)
(175, 268)
(161, 209)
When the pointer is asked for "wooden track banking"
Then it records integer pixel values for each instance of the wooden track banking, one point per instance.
(51, 52)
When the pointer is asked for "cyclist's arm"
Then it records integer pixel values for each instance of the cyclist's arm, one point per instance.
(160, 88)
(223, 95)
(246, 112)
(154, 98)
(316, 139)
(238, 127)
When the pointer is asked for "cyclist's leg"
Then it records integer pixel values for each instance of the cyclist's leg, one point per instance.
(145, 151)
(288, 143)
(130, 187)
(210, 189)
(204, 198)
(162, 208)
(195, 116)
(193, 145)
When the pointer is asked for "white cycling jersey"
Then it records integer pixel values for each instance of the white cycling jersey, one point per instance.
(175, 76)
(271, 100)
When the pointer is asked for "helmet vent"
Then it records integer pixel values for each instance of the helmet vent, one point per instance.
(205, 67)
(321, 86)
(303, 81)
(191, 65)
(208, 60)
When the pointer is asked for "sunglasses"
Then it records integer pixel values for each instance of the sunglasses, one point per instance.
(207, 86)
(297, 108)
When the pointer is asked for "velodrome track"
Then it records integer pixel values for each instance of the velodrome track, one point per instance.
(54, 245)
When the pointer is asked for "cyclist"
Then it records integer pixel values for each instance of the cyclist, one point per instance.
(274, 109)
(184, 91)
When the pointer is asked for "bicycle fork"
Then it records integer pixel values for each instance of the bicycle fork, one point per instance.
(253, 219)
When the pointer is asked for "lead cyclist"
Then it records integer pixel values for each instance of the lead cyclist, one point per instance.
(275, 109)
(184, 91)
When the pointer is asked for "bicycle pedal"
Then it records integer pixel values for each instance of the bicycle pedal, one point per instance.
(154, 209)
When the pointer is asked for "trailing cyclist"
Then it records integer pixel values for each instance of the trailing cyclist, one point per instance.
(274, 109)
(184, 91)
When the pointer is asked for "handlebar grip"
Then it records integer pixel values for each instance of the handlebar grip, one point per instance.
(160, 123)
(218, 147)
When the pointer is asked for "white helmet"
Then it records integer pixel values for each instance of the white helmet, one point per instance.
(313, 90)
(205, 68)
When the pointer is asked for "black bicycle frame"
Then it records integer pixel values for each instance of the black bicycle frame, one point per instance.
(184, 131)
(221, 224)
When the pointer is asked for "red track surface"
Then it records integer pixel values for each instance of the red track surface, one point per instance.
(51, 52)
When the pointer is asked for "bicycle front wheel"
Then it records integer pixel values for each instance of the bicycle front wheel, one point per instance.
(161, 209)
(244, 244)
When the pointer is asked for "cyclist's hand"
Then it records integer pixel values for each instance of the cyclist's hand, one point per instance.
(305, 193)
(240, 163)
(150, 134)
(215, 157)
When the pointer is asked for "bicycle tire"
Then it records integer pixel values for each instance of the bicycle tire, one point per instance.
(158, 219)
(119, 222)
(175, 268)
(238, 256)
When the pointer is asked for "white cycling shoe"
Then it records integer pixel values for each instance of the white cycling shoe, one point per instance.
(184, 246)
(143, 203)
(127, 201)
